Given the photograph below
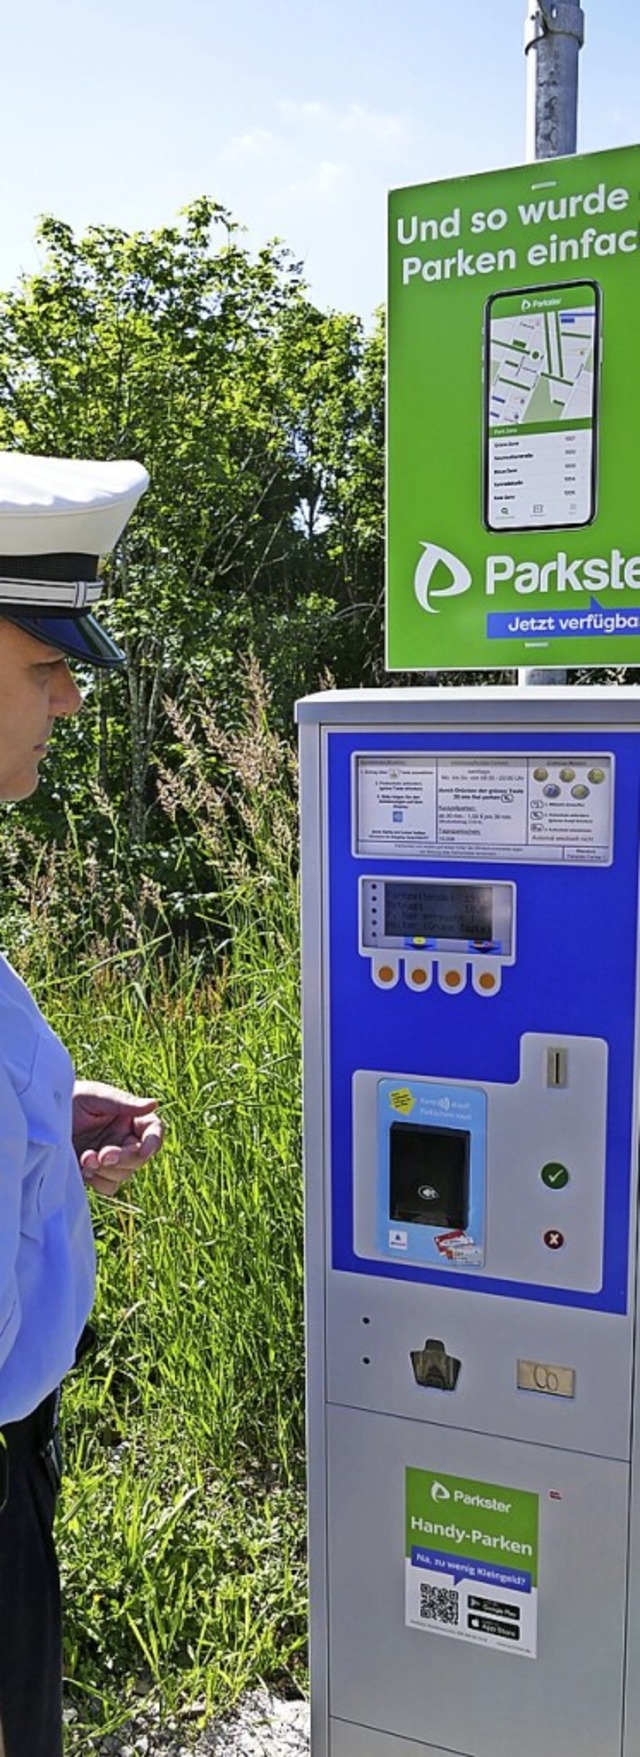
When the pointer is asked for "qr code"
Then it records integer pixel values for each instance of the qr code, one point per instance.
(438, 1604)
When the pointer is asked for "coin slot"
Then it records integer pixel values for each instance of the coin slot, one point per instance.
(557, 1067)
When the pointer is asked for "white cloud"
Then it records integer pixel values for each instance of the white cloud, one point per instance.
(357, 123)
(323, 179)
(258, 143)
(306, 112)
(374, 125)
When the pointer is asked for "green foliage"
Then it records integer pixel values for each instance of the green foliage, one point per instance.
(259, 419)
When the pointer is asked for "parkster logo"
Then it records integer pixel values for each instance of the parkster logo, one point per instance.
(595, 573)
(439, 1492)
(439, 561)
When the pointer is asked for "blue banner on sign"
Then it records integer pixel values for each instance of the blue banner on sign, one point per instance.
(463, 1568)
(559, 624)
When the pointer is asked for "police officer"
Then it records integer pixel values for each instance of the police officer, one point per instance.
(57, 517)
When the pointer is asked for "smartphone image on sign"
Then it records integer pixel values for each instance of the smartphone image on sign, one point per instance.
(542, 349)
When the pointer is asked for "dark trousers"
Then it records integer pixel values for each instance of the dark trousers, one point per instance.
(30, 1620)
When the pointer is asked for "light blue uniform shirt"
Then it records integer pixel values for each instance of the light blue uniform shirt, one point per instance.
(47, 1255)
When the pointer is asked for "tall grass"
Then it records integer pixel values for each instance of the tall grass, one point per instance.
(181, 1526)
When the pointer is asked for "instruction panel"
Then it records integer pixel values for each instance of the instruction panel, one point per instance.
(546, 808)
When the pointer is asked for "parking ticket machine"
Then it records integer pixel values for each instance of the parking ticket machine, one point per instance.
(470, 963)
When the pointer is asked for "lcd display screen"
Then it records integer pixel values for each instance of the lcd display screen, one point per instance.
(438, 911)
(429, 1175)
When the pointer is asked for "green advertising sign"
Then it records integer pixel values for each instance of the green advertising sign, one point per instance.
(471, 1561)
(514, 417)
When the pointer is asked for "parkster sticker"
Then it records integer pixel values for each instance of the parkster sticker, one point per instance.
(514, 417)
(471, 1561)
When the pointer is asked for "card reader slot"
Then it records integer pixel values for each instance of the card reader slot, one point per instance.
(429, 1175)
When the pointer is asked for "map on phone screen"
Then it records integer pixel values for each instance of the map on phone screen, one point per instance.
(542, 351)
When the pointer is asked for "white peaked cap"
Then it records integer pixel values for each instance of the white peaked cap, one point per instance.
(57, 517)
(52, 506)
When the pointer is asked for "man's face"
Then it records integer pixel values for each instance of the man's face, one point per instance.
(36, 687)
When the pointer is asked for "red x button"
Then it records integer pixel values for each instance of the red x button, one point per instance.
(554, 1240)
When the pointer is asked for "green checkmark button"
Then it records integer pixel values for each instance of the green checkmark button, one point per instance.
(554, 1175)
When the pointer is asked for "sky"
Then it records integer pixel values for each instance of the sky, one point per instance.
(297, 117)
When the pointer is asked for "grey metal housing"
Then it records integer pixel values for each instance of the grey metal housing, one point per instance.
(371, 1676)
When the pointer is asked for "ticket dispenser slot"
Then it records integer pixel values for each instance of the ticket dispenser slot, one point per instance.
(433, 1368)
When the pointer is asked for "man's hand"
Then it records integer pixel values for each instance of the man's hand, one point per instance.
(113, 1134)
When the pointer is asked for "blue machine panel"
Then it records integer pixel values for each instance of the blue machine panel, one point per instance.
(573, 975)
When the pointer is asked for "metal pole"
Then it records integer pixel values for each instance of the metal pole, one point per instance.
(553, 38)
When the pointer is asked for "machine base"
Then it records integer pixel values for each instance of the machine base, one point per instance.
(347, 1740)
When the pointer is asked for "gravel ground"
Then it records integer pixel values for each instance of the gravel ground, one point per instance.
(261, 1726)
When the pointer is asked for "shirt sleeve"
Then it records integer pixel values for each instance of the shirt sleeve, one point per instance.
(13, 1154)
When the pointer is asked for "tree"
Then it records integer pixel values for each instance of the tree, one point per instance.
(259, 420)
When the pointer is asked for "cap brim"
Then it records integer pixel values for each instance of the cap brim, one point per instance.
(81, 637)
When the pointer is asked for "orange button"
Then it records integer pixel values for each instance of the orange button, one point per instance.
(486, 980)
(386, 973)
(453, 978)
(419, 977)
